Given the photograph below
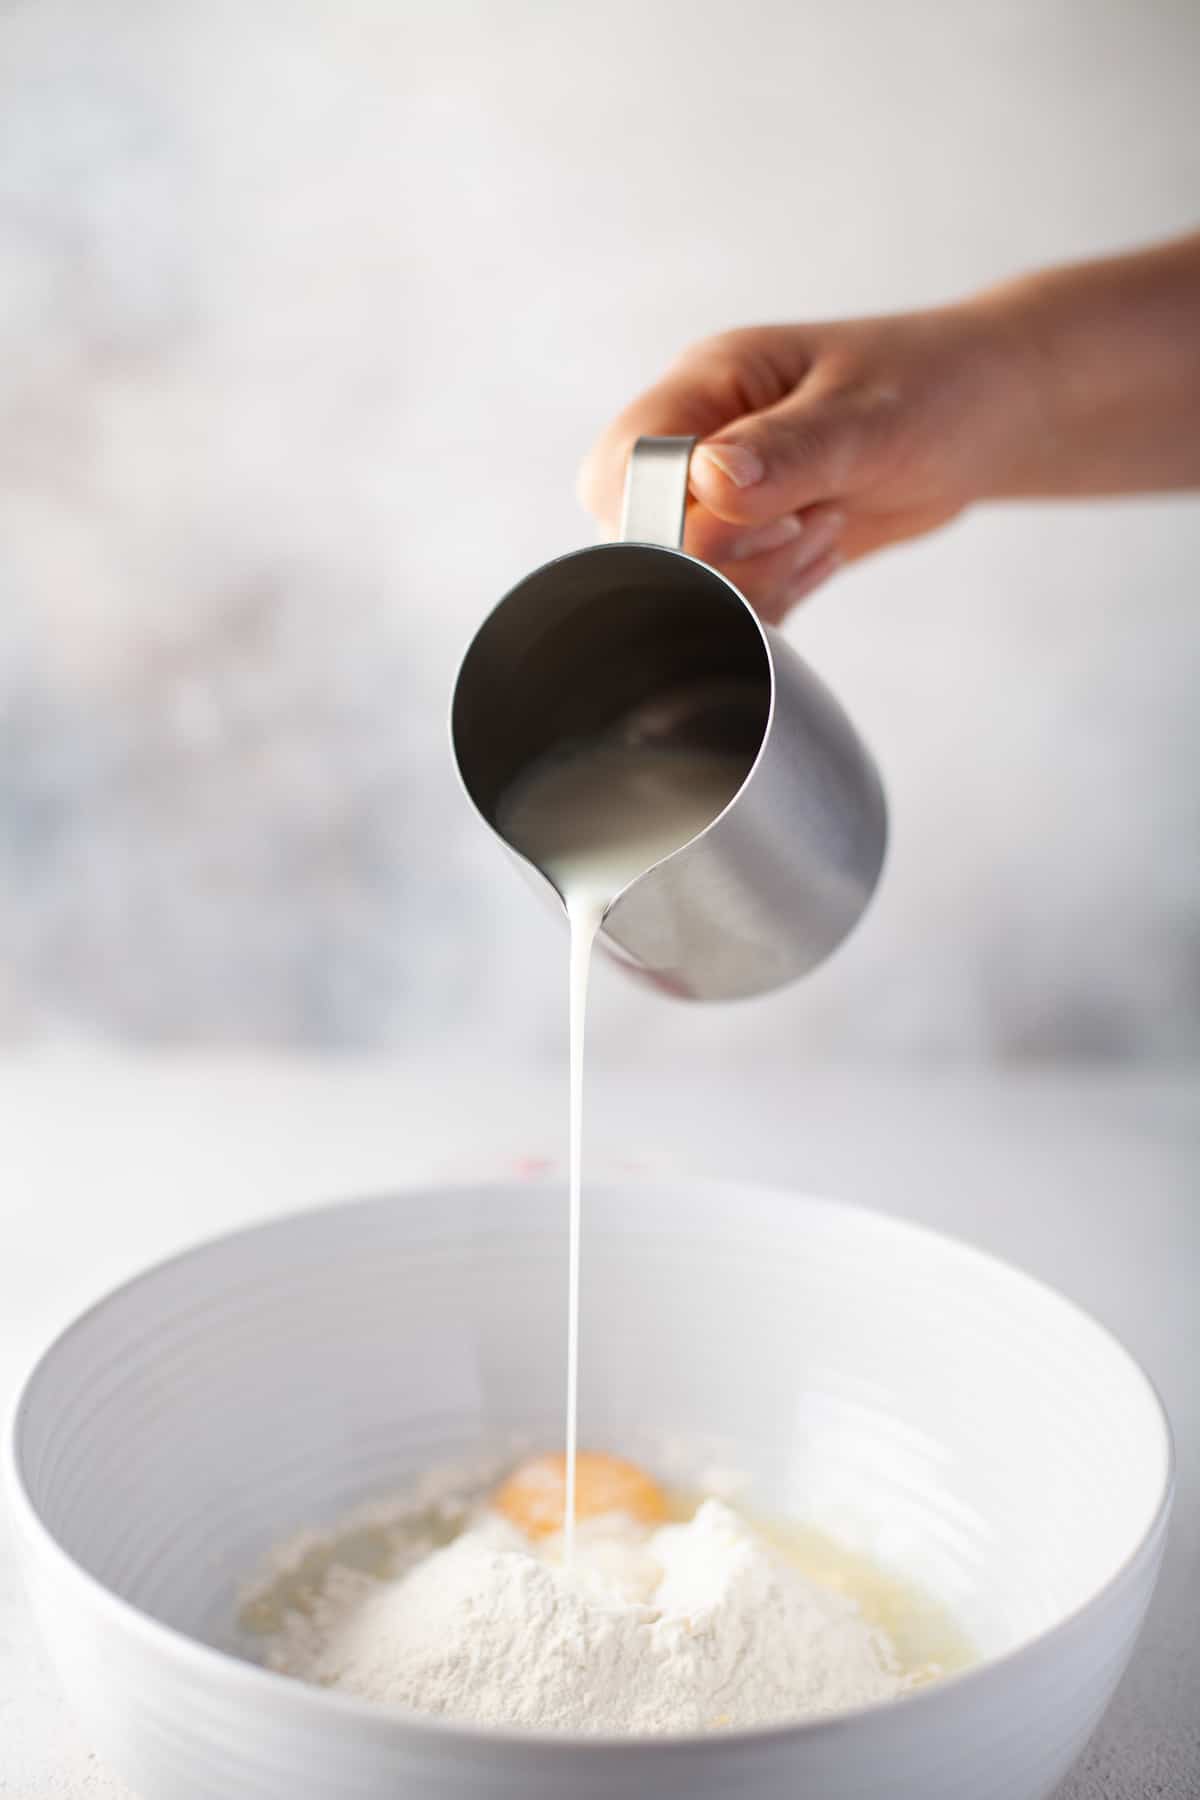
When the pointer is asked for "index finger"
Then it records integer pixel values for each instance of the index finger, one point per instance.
(677, 406)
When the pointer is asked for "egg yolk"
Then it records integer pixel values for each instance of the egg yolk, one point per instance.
(534, 1495)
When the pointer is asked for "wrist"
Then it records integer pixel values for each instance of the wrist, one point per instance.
(1019, 414)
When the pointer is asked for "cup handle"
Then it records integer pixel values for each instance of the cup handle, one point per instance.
(656, 485)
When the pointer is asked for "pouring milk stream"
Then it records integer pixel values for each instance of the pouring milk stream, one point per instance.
(671, 773)
(594, 820)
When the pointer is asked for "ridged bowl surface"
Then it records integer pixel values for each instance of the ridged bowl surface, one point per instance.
(966, 1425)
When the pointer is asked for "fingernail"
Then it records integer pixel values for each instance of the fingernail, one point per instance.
(820, 534)
(803, 584)
(767, 537)
(734, 462)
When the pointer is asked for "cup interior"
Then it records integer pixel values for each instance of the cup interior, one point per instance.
(599, 636)
(967, 1427)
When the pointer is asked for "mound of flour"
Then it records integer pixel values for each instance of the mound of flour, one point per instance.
(684, 1628)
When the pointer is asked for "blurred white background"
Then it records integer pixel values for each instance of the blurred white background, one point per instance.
(307, 313)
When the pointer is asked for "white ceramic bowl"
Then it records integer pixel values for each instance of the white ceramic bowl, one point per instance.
(969, 1426)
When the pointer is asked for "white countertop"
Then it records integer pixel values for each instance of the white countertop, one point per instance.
(1089, 1179)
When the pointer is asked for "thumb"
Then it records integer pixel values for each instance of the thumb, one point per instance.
(675, 407)
(777, 461)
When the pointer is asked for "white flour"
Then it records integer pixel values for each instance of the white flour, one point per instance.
(688, 1627)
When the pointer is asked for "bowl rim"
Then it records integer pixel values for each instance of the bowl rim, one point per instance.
(390, 1725)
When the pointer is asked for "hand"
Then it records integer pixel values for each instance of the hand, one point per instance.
(823, 443)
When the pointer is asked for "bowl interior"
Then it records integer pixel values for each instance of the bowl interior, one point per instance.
(966, 1426)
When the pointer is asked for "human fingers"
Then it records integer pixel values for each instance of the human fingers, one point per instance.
(711, 384)
(811, 447)
(772, 568)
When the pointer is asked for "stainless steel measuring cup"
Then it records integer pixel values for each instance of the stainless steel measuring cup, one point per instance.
(639, 636)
